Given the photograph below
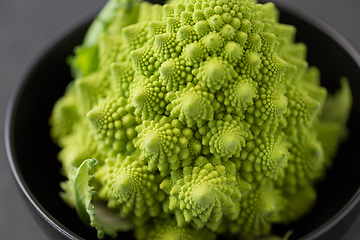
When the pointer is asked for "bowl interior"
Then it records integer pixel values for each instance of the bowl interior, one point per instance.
(35, 156)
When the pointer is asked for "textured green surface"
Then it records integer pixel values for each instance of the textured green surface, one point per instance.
(204, 118)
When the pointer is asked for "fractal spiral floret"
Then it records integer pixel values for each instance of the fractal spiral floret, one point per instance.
(193, 119)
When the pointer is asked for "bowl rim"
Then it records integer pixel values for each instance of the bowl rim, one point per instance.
(62, 35)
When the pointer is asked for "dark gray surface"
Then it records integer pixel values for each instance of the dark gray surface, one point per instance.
(26, 26)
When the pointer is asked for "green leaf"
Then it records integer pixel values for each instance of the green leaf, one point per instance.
(82, 191)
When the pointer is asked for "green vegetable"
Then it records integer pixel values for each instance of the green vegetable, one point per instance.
(204, 118)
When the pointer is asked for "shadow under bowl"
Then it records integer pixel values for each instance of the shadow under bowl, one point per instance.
(33, 156)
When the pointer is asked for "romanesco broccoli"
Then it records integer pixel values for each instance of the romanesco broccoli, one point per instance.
(203, 116)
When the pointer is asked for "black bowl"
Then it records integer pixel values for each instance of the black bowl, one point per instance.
(33, 156)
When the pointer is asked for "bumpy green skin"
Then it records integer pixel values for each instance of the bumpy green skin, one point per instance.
(204, 118)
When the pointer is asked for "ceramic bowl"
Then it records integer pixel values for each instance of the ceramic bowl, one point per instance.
(33, 156)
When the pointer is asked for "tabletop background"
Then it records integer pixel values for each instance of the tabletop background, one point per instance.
(27, 26)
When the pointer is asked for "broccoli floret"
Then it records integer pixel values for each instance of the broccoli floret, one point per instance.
(203, 116)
